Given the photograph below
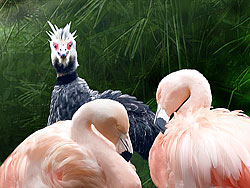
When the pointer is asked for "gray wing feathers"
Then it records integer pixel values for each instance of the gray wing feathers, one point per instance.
(141, 118)
(66, 99)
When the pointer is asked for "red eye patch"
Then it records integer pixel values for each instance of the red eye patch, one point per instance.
(55, 46)
(69, 45)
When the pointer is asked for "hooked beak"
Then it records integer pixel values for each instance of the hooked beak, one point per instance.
(161, 118)
(63, 56)
(124, 146)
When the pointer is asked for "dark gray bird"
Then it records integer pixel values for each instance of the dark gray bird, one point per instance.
(71, 91)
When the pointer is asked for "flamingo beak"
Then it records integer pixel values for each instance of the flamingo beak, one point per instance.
(161, 118)
(124, 146)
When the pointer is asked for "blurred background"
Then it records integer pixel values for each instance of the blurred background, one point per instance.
(129, 45)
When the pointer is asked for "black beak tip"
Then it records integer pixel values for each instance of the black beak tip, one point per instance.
(63, 56)
(126, 155)
(160, 123)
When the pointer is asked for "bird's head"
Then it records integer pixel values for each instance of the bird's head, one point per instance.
(63, 49)
(182, 91)
(110, 118)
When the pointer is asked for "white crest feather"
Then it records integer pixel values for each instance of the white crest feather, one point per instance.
(62, 33)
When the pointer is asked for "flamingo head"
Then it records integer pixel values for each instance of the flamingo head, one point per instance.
(182, 91)
(63, 49)
(110, 118)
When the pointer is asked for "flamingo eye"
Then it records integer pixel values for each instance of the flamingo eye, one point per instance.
(69, 45)
(55, 46)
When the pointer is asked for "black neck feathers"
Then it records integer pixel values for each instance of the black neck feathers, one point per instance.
(65, 79)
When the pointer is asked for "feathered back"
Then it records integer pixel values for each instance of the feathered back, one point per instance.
(49, 158)
(212, 144)
(68, 165)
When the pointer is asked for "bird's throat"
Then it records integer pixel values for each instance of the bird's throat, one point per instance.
(65, 68)
(65, 79)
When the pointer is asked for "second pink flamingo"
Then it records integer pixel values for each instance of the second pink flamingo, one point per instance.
(201, 147)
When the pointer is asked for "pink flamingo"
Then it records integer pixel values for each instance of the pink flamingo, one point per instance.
(201, 147)
(74, 153)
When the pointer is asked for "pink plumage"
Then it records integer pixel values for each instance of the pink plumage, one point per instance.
(201, 147)
(73, 154)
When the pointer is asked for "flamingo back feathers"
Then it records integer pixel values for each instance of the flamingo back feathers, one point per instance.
(202, 146)
(51, 160)
(68, 165)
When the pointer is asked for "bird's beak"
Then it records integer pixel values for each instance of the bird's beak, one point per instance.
(161, 118)
(124, 146)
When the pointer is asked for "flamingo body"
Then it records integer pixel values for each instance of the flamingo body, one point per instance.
(39, 160)
(201, 147)
(72, 154)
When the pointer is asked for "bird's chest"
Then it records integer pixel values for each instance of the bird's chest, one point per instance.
(67, 100)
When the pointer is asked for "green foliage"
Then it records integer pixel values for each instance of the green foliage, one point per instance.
(142, 170)
(122, 44)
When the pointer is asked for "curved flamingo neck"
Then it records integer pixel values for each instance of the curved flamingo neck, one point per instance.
(200, 92)
(200, 97)
(115, 169)
(81, 123)
(86, 122)
(186, 90)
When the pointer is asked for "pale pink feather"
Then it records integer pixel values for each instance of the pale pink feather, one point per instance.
(69, 154)
(201, 147)
(49, 158)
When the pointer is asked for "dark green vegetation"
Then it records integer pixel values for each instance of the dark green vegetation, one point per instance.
(128, 45)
